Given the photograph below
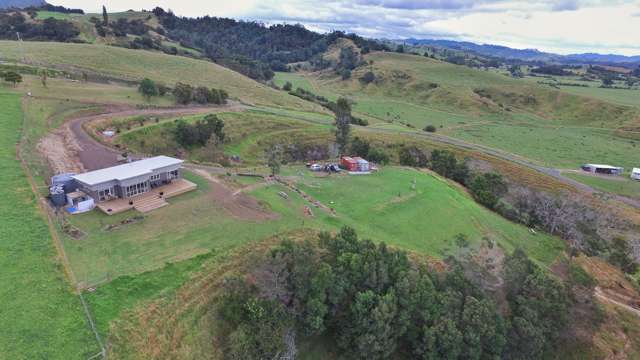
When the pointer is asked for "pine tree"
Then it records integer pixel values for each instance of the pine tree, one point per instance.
(105, 16)
(343, 124)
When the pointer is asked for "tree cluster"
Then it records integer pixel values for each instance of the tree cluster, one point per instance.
(200, 132)
(185, 94)
(49, 29)
(374, 303)
(361, 147)
(11, 76)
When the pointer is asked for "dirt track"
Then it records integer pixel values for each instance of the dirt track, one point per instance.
(71, 149)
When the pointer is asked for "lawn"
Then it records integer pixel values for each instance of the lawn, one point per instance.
(617, 185)
(384, 207)
(40, 317)
(191, 225)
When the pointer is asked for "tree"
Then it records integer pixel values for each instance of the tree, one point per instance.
(430, 128)
(488, 188)
(607, 81)
(274, 156)
(343, 124)
(13, 77)
(345, 74)
(148, 88)
(360, 147)
(287, 86)
(368, 77)
(202, 95)
(43, 78)
(105, 16)
(621, 256)
(183, 93)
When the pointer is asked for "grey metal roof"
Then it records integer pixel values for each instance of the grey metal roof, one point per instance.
(127, 171)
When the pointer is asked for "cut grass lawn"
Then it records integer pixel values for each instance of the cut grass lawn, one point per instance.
(40, 317)
(619, 185)
(384, 207)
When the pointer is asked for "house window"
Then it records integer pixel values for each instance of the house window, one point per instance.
(173, 174)
(105, 194)
(136, 189)
(154, 177)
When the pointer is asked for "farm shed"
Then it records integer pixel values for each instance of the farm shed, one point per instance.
(602, 169)
(354, 164)
(635, 174)
(348, 163)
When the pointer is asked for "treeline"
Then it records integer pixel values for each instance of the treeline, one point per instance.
(59, 9)
(49, 29)
(249, 47)
(373, 302)
(184, 93)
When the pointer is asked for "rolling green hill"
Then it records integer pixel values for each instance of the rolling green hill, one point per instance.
(133, 65)
(547, 126)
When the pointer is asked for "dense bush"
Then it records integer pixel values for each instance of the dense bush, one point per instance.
(413, 156)
(445, 164)
(49, 29)
(185, 94)
(200, 132)
(374, 303)
(368, 77)
(430, 128)
(488, 188)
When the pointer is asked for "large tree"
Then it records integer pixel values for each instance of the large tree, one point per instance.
(343, 124)
(148, 88)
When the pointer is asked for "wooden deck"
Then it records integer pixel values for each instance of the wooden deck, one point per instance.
(149, 201)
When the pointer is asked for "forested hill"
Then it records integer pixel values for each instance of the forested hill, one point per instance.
(250, 47)
(20, 4)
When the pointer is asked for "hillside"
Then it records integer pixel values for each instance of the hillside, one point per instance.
(486, 108)
(132, 65)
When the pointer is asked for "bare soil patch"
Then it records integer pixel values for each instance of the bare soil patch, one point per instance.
(235, 203)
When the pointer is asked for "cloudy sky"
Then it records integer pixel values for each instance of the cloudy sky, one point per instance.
(562, 26)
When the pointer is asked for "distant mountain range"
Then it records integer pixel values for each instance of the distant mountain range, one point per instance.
(525, 54)
(6, 4)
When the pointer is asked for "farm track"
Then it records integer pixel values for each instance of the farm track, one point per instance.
(81, 152)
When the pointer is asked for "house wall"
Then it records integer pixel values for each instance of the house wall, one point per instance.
(119, 187)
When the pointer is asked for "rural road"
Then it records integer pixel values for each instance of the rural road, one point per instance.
(555, 173)
(602, 296)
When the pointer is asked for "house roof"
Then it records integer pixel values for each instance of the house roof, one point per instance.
(127, 171)
(599, 166)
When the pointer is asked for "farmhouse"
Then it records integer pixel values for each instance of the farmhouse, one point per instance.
(602, 169)
(140, 184)
(635, 174)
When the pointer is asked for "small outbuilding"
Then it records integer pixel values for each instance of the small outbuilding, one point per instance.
(355, 164)
(635, 174)
(602, 169)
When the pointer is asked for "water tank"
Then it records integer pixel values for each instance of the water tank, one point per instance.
(66, 181)
(58, 197)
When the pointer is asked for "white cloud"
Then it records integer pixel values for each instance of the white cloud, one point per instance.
(563, 26)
